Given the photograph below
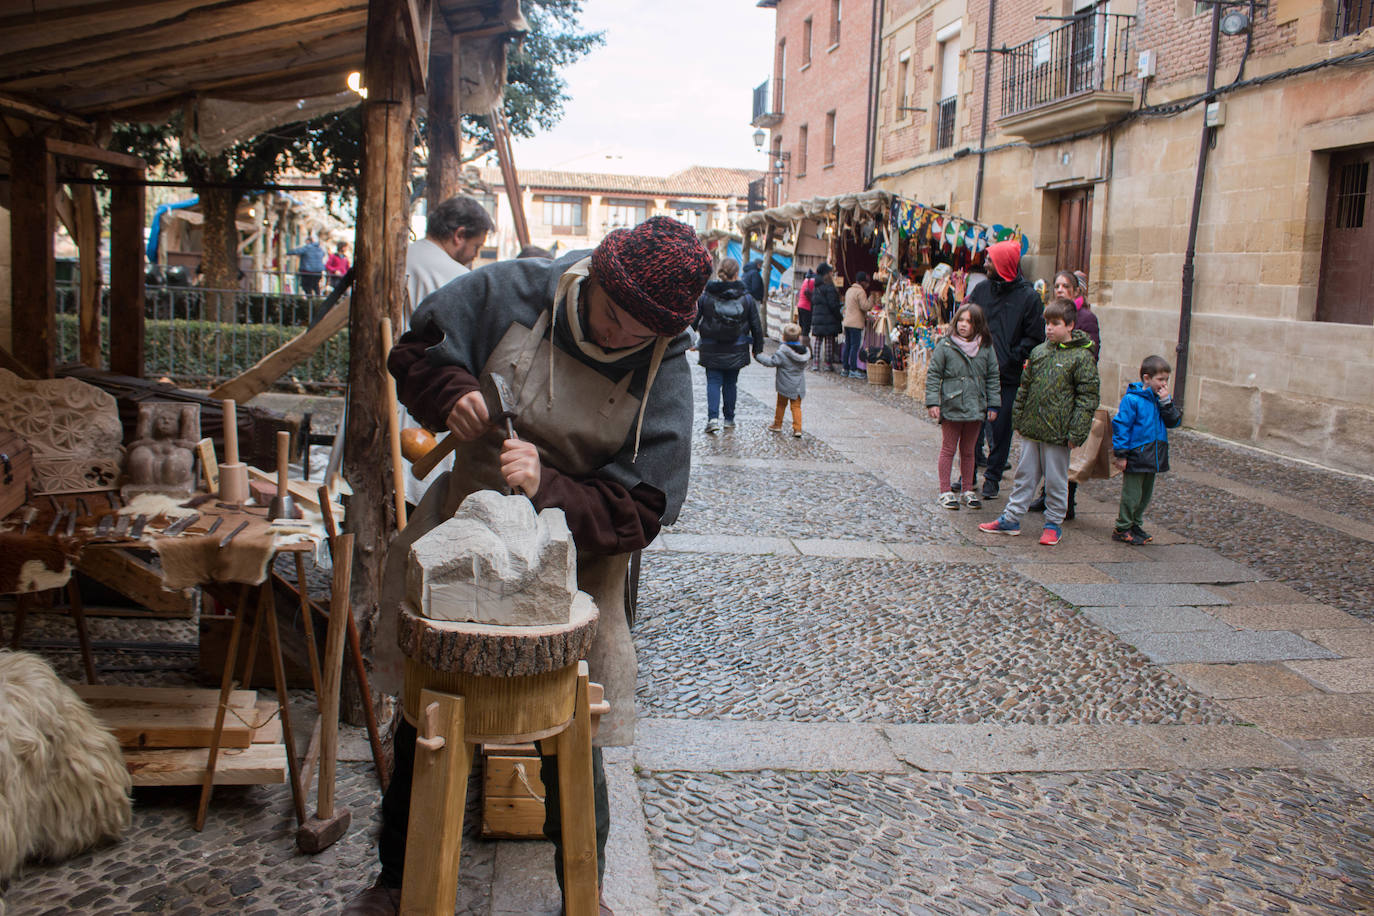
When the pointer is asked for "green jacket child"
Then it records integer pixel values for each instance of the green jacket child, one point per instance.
(1059, 392)
(963, 387)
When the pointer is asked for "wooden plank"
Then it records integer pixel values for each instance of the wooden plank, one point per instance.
(86, 153)
(270, 731)
(130, 576)
(126, 274)
(259, 377)
(112, 695)
(513, 818)
(88, 244)
(303, 492)
(258, 764)
(209, 464)
(438, 800)
(33, 281)
(171, 726)
(28, 109)
(575, 800)
(503, 778)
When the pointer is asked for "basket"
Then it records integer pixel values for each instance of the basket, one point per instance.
(899, 379)
(880, 373)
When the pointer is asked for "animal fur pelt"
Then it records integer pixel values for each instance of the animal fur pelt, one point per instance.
(63, 784)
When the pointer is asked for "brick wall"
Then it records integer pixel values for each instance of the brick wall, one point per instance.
(836, 80)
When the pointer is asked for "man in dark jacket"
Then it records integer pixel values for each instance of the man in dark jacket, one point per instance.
(728, 321)
(753, 279)
(1015, 317)
(827, 317)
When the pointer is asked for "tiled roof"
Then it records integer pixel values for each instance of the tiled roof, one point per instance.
(696, 181)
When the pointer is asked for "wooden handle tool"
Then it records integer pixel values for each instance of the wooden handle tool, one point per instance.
(393, 428)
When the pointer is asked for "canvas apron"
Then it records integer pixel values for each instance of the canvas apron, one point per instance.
(577, 430)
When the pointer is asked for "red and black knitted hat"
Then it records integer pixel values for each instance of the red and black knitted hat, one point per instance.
(655, 272)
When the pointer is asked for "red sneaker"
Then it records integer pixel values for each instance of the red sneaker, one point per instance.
(1050, 536)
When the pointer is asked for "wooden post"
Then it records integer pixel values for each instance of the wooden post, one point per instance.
(126, 273)
(444, 124)
(88, 242)
(577, 808)
(767, 272)
(442, 763)
(379, 290)
(748, 247)
(33, 215)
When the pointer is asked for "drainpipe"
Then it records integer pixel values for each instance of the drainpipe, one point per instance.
(1185, 311)
(873, 60)
(987, 104)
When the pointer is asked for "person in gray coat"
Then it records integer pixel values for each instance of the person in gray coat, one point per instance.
(962, 388)
(790, 360)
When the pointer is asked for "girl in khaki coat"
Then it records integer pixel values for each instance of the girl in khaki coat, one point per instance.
(962, 389)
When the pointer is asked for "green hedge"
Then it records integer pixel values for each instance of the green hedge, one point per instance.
(208, 351)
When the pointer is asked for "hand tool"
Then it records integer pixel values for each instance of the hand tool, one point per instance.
(224, 541)
(393, 429)
(282, 505)
(122, 526)
(104, 526)
(501, 405)
(233, 474)
(327, 825)
(136, 531)
(111, 499)
(56, 520)
(71, 524)
(81, 504)
(214, 526)
(30, 513)
(52, 502)
(199, 499)
(181, 524)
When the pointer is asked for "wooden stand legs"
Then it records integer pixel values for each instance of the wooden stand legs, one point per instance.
(439, 795)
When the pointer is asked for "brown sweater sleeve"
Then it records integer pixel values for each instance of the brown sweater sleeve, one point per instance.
(603, 516)
(427, 391)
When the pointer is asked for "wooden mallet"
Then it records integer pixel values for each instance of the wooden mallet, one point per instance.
(501, 406)
(321, 831)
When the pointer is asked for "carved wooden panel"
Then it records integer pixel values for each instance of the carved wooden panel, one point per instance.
(73, 428)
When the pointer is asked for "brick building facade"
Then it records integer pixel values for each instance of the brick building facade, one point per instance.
(818, 92)
(1095, 157)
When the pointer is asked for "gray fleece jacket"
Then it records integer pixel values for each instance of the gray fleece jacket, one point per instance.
(791, 365)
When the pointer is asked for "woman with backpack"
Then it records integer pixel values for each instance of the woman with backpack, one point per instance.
(728, 324)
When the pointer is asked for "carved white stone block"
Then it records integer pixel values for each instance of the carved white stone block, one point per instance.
(495, 562)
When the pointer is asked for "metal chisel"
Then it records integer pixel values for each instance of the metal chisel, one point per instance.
(214, 526)
(181, 524)
(71, 524)
(56, 520)
(224, 541)
(102, 527)
(121, 526)
(137, 531)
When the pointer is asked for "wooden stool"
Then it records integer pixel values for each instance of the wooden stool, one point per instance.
(521, 684)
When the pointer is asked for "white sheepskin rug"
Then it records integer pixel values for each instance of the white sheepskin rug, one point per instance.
(63, 784)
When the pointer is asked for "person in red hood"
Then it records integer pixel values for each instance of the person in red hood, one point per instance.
(1015, 317)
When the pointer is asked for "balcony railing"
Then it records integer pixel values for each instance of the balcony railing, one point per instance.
(767, 106)
(944, 123)
(1353, 17)
(1087, 54)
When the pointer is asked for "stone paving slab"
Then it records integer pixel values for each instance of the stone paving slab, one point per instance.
(1154, 571)
(1286, 617)
(1176, 553)
(1222, 747)
(1220, 646)
(921, 553)
(630, 886)
(1136, 595)
(852, 550)
(730, 746)
(1352, 759)
(1155, 619)
(775, 464)
(727, 543)
(1242, 680)
(1064, 573)
(1311, 716)
(988, 748)
(1025, 548)
(1343, 675)
(524, 882)
(1356, 642)
(1260, 593)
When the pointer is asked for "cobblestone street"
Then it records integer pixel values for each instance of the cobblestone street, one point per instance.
(852, 701)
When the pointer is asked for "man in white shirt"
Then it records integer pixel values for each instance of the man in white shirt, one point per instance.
(455, 232)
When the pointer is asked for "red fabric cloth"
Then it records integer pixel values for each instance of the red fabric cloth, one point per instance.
(1005, 257)
(655, 271)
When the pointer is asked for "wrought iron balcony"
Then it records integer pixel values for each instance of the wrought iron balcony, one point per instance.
(1353, 17)
(1068, 79)
(768, 108)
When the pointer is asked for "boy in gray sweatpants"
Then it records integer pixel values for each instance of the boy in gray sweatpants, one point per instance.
(1053, 413)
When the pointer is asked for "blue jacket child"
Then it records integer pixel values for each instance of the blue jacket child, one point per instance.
(1139, 429)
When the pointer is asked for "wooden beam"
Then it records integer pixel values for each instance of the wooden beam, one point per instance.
(20, 368)
(417, 23)
(33, 277)
(88, 245)
(506, 159)
(379, 290)
(85, 153)
(28, 109)
(443, 129)
(126, 274)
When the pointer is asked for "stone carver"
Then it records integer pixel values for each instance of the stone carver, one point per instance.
(592, 347)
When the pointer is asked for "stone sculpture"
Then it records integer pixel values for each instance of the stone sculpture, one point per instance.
(73, 428)
(162, 458)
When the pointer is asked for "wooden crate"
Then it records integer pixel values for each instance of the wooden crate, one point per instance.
(509, 810)
(166, 731)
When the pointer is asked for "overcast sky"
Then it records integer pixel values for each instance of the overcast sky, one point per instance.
(670, 88)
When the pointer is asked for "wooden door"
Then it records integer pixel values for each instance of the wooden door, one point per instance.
(1345, 290)
(1075, 229)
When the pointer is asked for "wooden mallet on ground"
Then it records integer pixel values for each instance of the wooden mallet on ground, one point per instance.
(321, 831)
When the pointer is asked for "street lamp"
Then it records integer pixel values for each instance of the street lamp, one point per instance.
(759, 137)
